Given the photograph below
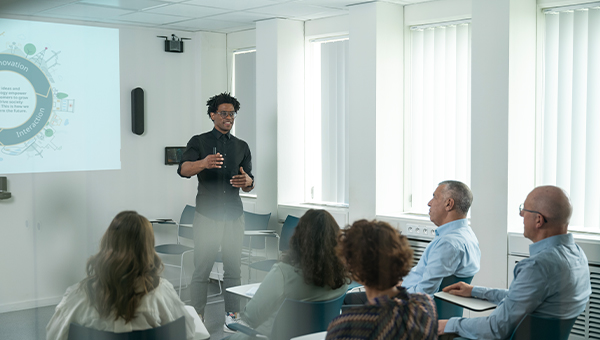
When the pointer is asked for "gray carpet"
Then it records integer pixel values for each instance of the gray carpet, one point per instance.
(31, 324)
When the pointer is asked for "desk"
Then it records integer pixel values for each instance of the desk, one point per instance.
(246, 291)
(201, 331)
(470, 303)
(312, 336)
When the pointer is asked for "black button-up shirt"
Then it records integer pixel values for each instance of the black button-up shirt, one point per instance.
(217, 199)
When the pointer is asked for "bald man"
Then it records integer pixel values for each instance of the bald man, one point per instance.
(553, 282)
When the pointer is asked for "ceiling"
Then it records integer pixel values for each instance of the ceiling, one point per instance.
(224, 16)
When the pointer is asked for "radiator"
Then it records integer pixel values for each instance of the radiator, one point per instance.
(418, 247)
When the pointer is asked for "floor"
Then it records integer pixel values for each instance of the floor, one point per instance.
(31, 324)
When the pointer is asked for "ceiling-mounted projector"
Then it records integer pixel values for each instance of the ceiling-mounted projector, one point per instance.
(175, 44)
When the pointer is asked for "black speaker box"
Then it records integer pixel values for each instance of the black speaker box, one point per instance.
(137, 111)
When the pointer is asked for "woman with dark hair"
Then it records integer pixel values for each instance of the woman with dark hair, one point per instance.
(309, 271)
(378, 257)
(123, 291)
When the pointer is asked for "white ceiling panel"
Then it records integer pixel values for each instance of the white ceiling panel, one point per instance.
(24, 8)
(208, 24)
(184, 10)
(289, 10)
(158, 19)
(330, 12)
(86, 11)
(127, 4)
(233, 4)
(329, 3)
(240, 17)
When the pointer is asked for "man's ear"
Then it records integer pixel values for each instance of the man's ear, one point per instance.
(449, 204)
(539, 221)
(212, 116)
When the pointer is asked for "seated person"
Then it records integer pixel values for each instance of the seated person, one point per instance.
(554, 282)
(123, 291)
(309, 271)
(455, 249)
(377, 257)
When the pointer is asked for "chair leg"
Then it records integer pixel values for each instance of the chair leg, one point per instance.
(219, 282)
(180, 276)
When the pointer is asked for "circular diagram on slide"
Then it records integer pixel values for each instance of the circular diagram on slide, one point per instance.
(25, 99)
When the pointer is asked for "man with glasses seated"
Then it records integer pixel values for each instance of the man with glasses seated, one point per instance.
(554, 282)
(222, 163)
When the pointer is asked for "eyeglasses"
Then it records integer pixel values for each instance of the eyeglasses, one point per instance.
(225, 114)
(521, 209)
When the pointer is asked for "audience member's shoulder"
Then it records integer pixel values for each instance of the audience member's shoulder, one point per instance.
(165, 285)
(284, 267)
(421, 298)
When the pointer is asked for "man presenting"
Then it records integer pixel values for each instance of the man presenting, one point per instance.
(223, 165)
(553, 282)
(455, 249)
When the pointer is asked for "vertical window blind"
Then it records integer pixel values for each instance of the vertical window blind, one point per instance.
(440, 109)
(326, 123)
(570, 110)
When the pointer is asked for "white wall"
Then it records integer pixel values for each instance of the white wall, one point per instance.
(54, 221)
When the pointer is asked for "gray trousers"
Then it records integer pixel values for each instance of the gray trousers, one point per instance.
(208, 236)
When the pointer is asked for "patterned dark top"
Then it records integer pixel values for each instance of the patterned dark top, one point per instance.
(405, 316)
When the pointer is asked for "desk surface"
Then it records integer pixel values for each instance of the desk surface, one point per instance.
(201, 331)
(246, 291)
(266, 233)
(312, 336)
(470, 303)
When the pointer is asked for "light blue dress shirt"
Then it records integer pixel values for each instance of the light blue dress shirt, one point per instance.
(454, 251)
(553, 282)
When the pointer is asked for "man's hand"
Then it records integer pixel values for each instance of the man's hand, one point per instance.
(212, 161)
(460, 289)
(192, 168)
(242, 180)
(441, 326)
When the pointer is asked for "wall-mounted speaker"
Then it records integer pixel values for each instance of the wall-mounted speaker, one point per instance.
(137, 110)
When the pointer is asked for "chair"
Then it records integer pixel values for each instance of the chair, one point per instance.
(172, 331)
(446, 310)
(254, 222)
(534, 327)
(295, 318)
(187, 217)
(287, 230)
(539, 327)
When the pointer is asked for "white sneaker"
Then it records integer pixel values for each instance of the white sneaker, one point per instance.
(230, 318)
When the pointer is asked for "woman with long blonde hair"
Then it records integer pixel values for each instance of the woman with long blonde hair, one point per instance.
(123, 290)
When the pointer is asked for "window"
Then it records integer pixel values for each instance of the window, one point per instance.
(244, 89)
(569, 111)
(438, 110)
(326, 139)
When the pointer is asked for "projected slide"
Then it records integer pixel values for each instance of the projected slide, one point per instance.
(59, 97)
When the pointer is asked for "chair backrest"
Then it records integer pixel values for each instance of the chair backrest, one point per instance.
(187, 217)
(296, 318)
(172, 331)
(447, 310)
(287, 230)
(538, 327)
(256, 222)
